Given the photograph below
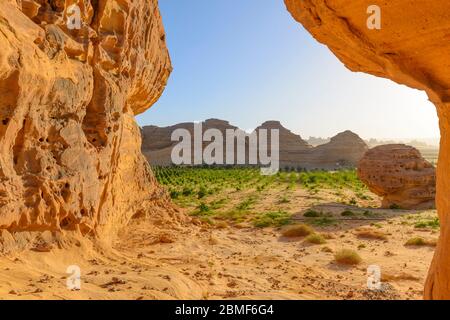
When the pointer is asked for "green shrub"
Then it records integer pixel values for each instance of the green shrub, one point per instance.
(312, 214)
(246, 204)
(433, 224)
(348, 213)
(203, 207)
(174, 194)
(323, 222)
(202, 193)
(276, 219)
(187, 191)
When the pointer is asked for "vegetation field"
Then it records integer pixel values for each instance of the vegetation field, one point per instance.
(294, 235)
(244, 196)
(283, 228)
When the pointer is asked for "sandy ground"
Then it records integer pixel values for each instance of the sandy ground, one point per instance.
(199, 261)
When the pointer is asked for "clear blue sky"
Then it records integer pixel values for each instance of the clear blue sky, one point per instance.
(248, 61)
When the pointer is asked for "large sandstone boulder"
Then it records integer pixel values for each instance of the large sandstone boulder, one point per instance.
(400, 175)
(70, 148)
(412, 48)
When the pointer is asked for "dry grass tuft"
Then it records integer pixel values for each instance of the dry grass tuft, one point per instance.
(371, 234)
(420, 242)
(326, 249)
(328, 236)
(221, 225)
(347, 257)
(213, 240)
(315, 238)
(299, 230)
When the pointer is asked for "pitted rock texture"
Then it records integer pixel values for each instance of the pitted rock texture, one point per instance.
(412, 48)
(70, 148)
(400, 175)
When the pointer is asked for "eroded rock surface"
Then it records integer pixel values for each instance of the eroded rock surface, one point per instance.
(70, 148)
(400, 175)
(412, 48)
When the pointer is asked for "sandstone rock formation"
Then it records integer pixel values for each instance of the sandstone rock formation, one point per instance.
(343, 151)
(400, 175)
(293, 151)
(70, 148)
(411, 48)
(157, 144)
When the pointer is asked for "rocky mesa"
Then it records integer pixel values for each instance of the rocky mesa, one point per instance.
(343, 151)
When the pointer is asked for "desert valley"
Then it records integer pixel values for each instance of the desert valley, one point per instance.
(233, 233)
(92, 207)
(239, 243)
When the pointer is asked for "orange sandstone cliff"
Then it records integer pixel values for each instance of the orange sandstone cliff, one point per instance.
(70, 148)
(412, 48)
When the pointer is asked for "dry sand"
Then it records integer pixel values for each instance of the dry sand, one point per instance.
(202, 262)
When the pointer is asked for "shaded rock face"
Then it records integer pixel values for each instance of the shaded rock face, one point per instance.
(411, 48)
(343, 151)
(400, 175)
(70, 148)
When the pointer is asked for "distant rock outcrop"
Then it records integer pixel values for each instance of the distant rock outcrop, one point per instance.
(317, 141)
(293, 149)
(343, 151)
(400, 175)
(157, 145)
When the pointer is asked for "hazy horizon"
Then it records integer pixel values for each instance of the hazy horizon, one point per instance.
(432, 141)
(252, 62)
